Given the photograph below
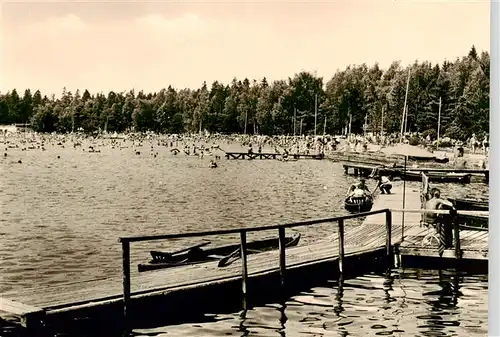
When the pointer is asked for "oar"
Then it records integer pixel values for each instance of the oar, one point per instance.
(167, 255)
(225, 260)
(374, 190)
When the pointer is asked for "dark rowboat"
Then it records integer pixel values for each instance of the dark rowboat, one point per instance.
(225, 253)
(438, 177)
(470, 204)
(472, 221)
(359, 204)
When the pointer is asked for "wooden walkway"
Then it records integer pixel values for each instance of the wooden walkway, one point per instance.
(63, 298)
(359, 241)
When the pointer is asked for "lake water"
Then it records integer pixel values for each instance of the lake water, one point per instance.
(61, 218)
(401, 303)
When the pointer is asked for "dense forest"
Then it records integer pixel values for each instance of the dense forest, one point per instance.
(360, 93)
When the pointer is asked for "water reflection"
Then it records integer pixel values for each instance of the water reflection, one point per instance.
(444, 307)
(396, 303)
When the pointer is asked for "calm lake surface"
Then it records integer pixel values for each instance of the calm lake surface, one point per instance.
(61, 218)
(401, 303)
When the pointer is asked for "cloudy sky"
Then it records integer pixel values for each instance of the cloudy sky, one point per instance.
(117, 46)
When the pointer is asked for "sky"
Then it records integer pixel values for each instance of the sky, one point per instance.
(115, 45)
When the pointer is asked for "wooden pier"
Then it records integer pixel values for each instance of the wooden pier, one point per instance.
(204, 286)
(366, 169)
(413, 173)
(281, 156)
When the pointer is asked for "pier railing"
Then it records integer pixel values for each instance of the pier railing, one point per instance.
(454, 223)
(127, 241)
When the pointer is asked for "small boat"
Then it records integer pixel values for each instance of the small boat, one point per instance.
(472, 221)
(358, 204)
(225, 253)
(470, 204)
(439, 177)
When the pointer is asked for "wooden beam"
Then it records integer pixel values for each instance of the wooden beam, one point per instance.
(448, 253)
(126, 278)
(388, 228)
(282, 245)
(341, 244)
(244, 267)
(249, 229)
(435, 211)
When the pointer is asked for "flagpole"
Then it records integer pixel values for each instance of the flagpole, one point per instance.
(439, 123)
(404, 107)
(315, 113)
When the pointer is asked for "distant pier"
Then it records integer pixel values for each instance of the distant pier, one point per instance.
(414, 173)
(262, 155)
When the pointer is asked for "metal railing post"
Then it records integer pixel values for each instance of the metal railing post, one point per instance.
(126, 278)
(244, 269)
(282, 243)
(341, 244)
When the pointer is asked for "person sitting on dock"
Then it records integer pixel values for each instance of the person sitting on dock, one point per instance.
(442, 223)
(384, 184)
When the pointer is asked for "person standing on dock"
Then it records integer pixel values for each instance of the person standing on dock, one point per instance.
(442, 223)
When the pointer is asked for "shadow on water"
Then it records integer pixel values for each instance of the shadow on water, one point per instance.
(393, 302)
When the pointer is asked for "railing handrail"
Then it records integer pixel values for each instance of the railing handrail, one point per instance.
(438, 211)
(248, 229)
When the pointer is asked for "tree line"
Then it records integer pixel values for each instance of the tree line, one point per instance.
(456, 92)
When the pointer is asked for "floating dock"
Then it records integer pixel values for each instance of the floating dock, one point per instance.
(204, 286)
(413, 173)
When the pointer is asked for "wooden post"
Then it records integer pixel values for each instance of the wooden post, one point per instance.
(282, 244)
(244, 269)
(388, 228)
(404, 202)
(341, 245)
(126, 279)
(456, 234)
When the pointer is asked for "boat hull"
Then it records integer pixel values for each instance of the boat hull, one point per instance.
(470, 204)
(437, 178)
(198, 255)
(358, 205)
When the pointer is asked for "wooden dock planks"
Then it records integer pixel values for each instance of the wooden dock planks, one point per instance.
(26, 313)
